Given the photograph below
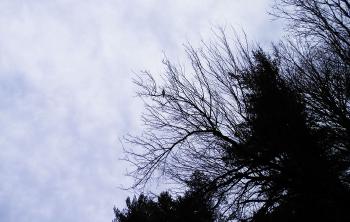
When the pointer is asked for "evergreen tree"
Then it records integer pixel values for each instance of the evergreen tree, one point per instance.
(268, 132)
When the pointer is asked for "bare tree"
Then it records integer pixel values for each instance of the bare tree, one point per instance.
(235, 118)
(323, 23)
(317, 62)
(192, 118)
(269, 132)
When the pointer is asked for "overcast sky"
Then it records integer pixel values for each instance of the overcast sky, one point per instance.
(66, 96)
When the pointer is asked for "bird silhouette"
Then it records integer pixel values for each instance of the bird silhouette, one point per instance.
(232, 75)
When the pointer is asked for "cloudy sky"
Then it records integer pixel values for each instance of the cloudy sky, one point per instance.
(66, 96)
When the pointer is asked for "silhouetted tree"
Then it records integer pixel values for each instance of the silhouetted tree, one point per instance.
(322, 23)
(194, 205)
(270, 133)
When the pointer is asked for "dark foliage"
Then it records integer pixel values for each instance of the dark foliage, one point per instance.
(194, 205)
(269, 132)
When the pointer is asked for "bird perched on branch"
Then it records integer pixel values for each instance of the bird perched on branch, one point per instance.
(232, 75)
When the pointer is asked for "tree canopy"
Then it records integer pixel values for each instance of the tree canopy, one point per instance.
(194, 205)
(270, 131)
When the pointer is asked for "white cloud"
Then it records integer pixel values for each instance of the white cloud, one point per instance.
(66, 94)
